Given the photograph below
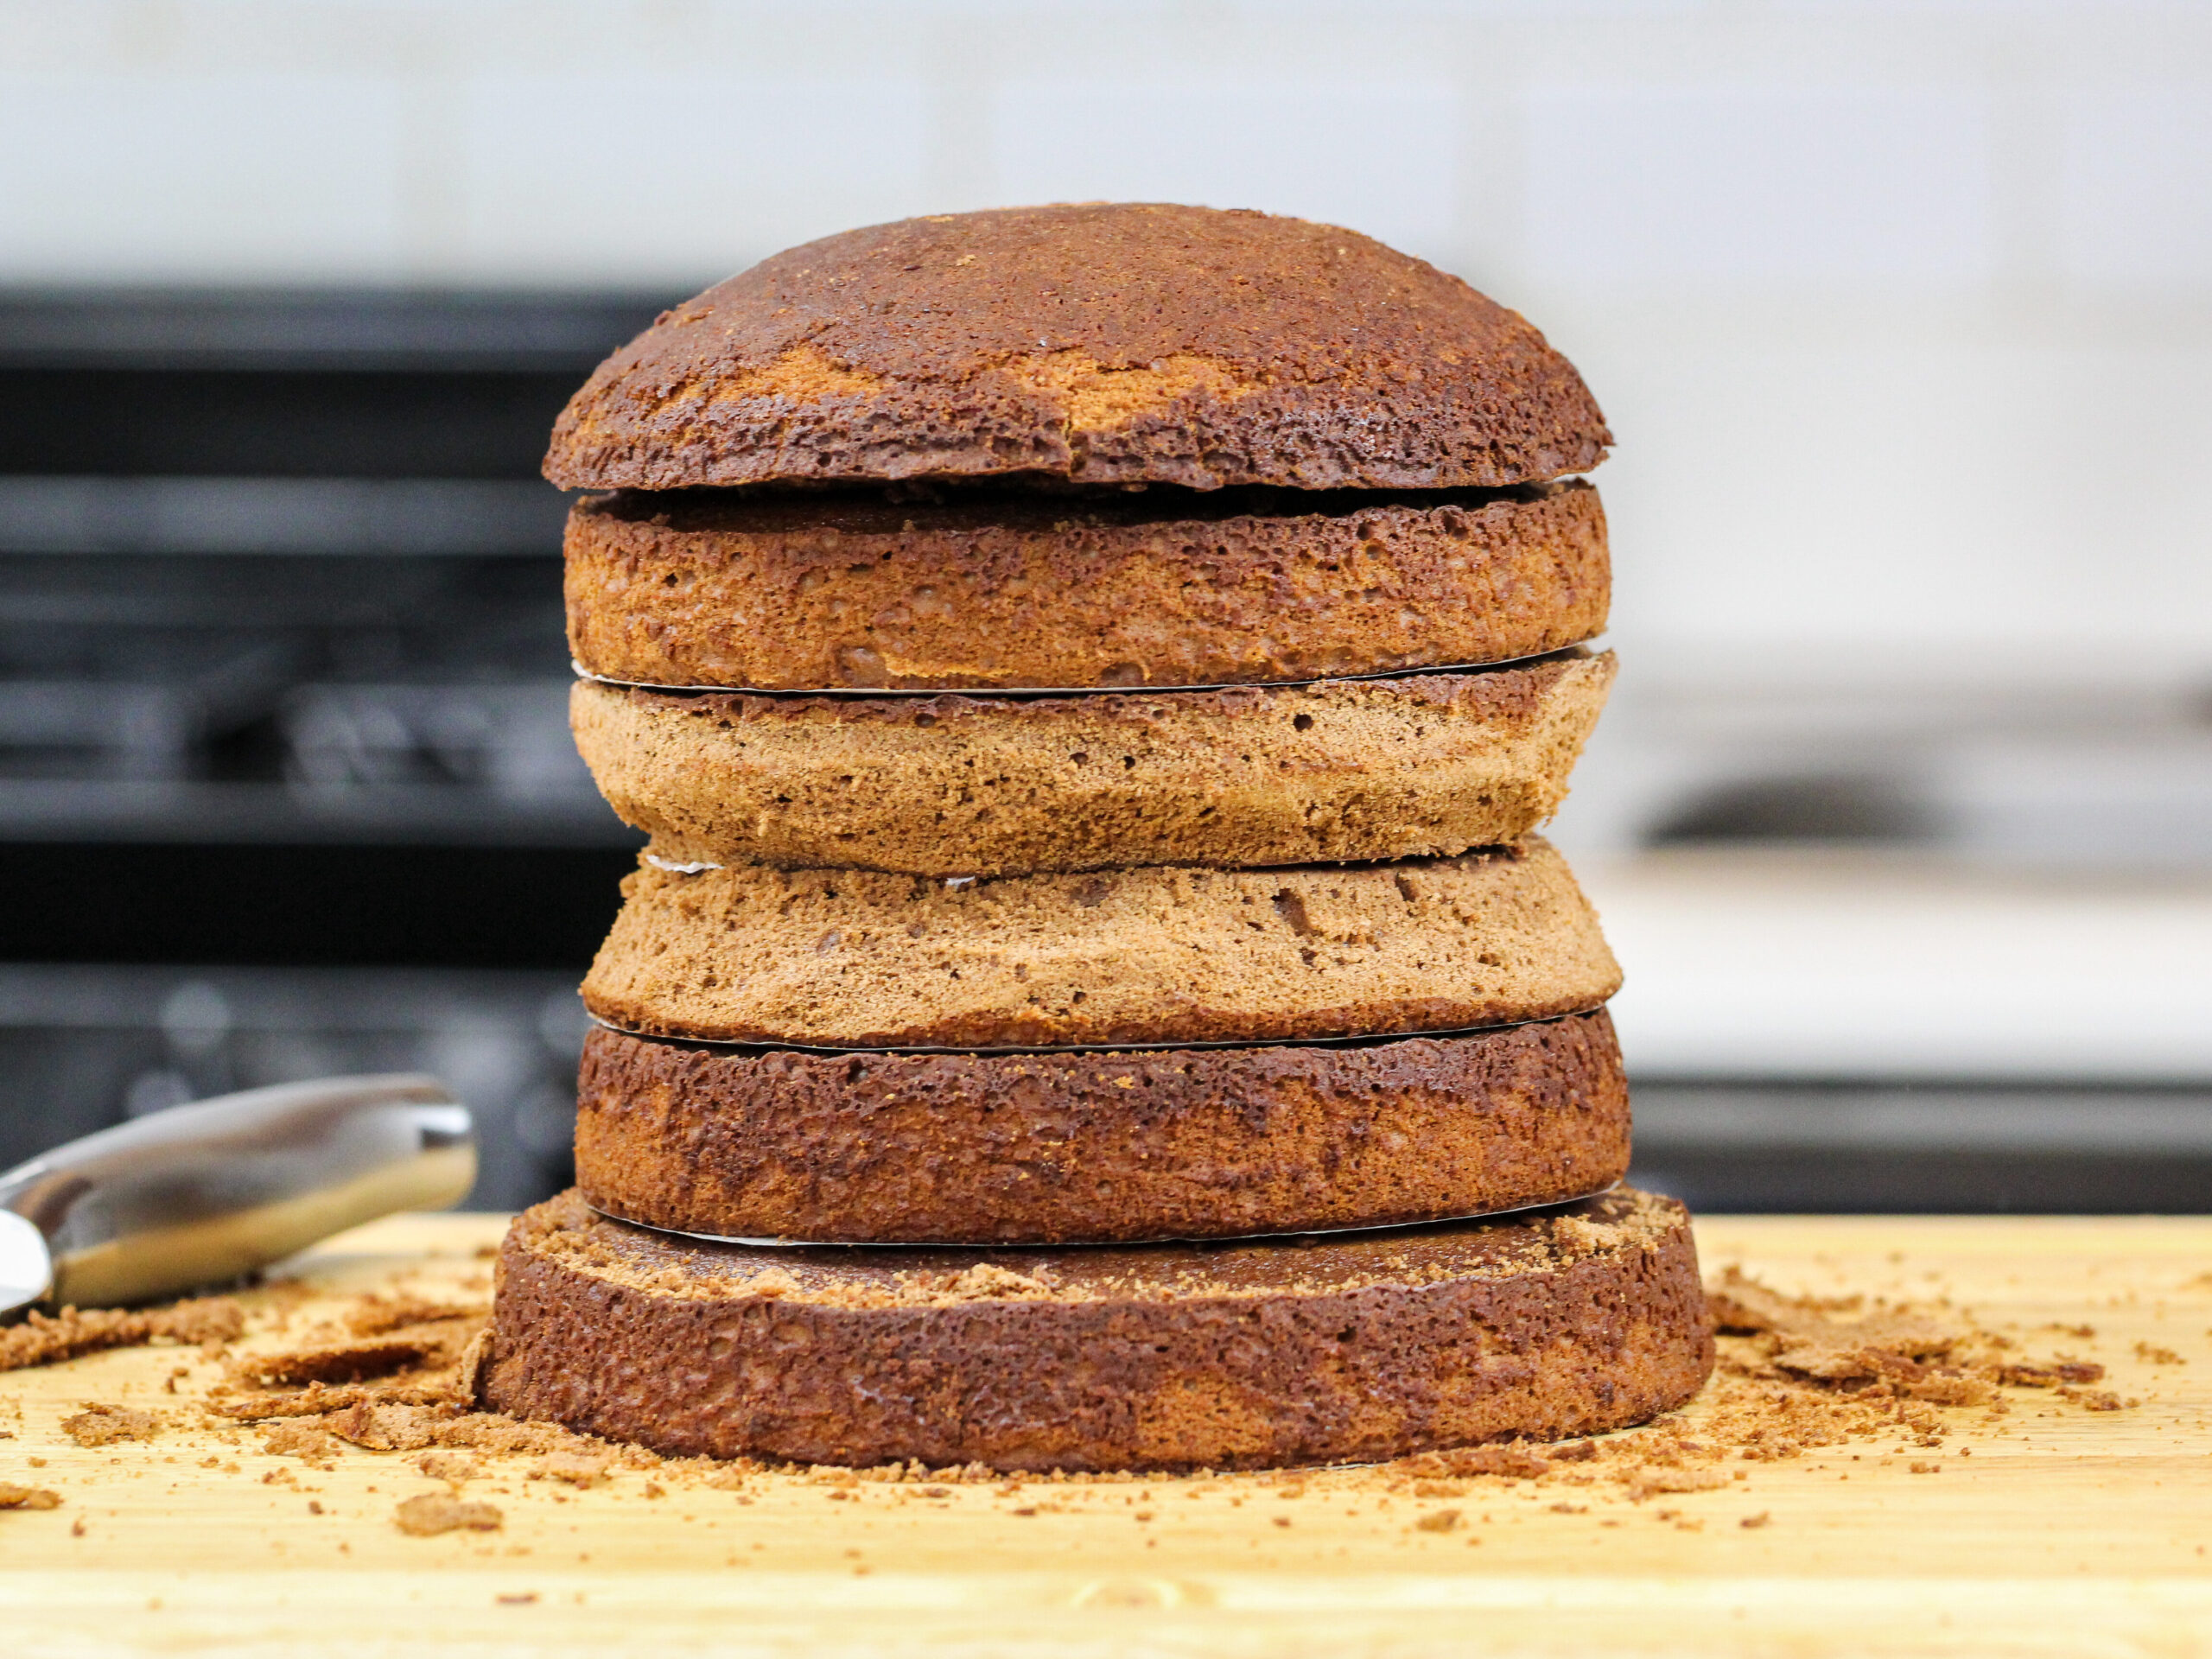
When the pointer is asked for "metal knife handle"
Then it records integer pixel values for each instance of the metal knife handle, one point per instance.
(202, 1193)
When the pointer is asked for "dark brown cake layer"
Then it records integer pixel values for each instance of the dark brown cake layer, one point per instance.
(1566, 1322)
(1109, 342)
(1052, 1149)
(1008, 590)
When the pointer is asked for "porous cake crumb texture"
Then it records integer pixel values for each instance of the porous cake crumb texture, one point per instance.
(1352, 770)
(1166, 1357)
(1010, 591)
(855, 958)
(1044, 1148)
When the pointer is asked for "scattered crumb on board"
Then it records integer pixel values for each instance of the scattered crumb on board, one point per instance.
(41, 1339)
(431, 1513)
(389, 1373)
(103, 1425)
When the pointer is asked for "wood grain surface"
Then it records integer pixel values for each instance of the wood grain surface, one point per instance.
(2051, 1530)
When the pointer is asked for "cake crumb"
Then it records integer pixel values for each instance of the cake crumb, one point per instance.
(46, 1339)
(431, 1513)
(1650, 1483)
(455, 1468)
(1804, 1336)
(102, 1425)
(295, 1438)
(13, 1496)
(573, 1468)
(339, 1363)
(1512, 1461)
(376, 1315)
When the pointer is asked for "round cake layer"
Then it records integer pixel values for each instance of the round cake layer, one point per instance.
(1048, 1148)
(1112, 342)
(797, 593)
(1336, 770)
(1566, 1322)
(857, 959)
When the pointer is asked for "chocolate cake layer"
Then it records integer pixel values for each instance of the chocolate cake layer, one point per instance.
(1564, 1322)
(1008, 590)
(859, 959)
(1109, 342)
(1342, 769)
(1050, 1148)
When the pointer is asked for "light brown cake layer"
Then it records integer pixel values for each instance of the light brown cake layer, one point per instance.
(1168, 1356)
(1112, 342)
(1166, 587)
(856, 958)
(1054, 1148)
(1338, 770)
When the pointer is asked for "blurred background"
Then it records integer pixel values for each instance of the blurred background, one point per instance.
(1902, 309)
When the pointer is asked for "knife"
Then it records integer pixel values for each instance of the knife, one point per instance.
(203, 1193)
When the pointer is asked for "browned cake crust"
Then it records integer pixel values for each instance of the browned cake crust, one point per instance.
(1109, 342)
(1012, 591)
(1051, 1148)
(856, 958)
(1166, 1357)
(1350, 770)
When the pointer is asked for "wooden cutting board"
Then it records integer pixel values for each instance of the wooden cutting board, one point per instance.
(2051, 1530)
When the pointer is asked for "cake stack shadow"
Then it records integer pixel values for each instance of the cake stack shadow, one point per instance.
(1094, 996)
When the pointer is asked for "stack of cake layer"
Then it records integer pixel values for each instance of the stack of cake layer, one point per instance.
(1090, 675)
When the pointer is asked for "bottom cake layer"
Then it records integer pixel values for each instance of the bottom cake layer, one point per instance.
(1046, 1148)
(1560, 1322)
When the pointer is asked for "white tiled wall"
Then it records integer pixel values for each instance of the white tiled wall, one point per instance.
(130, 173)
(1903, 308)
(1379, 154)
(643, 176)
(1750, 186)
(2135, 186)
